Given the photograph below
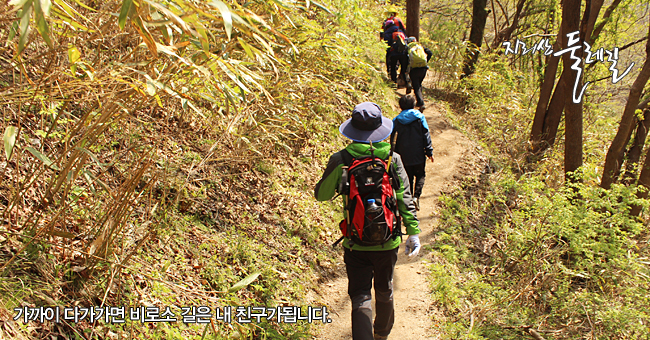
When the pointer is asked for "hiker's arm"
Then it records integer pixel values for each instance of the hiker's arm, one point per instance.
(429, 53)
(428, 148)
(326, 187)
(404, 199)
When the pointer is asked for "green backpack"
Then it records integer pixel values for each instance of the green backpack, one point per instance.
(417, 56)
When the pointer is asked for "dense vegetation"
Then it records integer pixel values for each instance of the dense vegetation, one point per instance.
(524, 252)
(164, 154)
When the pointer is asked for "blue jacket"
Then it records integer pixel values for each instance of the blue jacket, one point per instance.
(413, 139)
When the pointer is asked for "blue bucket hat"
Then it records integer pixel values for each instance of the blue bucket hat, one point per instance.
(367, 124)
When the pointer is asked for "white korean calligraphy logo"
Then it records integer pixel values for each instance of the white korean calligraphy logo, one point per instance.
(572, 46)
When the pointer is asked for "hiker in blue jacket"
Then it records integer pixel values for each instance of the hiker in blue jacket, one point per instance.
(413, 144)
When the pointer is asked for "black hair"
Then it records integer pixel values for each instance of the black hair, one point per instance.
(407, 102)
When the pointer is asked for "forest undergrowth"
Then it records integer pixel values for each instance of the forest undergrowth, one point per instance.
(164, 155)
(522, 254)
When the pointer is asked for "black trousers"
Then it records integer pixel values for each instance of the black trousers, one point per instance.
(417, 77)
(416, 174)
(361, 267)
(403, 60)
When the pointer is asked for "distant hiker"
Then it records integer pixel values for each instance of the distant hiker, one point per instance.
(367, 129)
(413, 144)
(391, 12)
(419, 56)
(387, 36)
(397, 52)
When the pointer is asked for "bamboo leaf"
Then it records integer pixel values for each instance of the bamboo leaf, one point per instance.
(69, 10)
(94, 158)
(88, 174)
(203, 36)
(264, 43)
(65, 19)
(189, 103)
(173, 17)
(226, 14)
(10, 140)
(151, 88)
(226, 69)
(85, 6)
(46, 5)
(42, 158)
(247, 48)
(40, 8)
(73, 56)
(24, 26)
(124, 12)
(322, 7)
(61, 233)
(245, 282)
(145, 34)
(13, 31)
(17, 3)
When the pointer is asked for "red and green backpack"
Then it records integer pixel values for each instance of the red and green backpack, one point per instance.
(371, 213)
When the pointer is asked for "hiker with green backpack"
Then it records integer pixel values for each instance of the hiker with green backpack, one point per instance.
(374, 185)
(419, 56)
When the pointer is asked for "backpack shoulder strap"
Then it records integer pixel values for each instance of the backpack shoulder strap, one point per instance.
(347, 157)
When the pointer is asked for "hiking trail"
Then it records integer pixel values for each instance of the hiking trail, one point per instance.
(414, 308)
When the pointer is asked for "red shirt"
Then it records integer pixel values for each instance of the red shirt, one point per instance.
(397, 22)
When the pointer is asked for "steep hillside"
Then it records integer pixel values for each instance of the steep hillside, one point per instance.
(163, 154)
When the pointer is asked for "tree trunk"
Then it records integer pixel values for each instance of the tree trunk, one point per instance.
(573, 120)
(612, 163)
(505, 34)
(413, 18)
(606, 16)
(644, 180)
(479, 18)
(548, 115)
(634, 154)
(596, 6)
(555, 108)
(544, 95)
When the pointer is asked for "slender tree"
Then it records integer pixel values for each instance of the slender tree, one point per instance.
(479, 18)
(633, 155)
(606, 18)
(413, 18)
(573, 119)
(548, 114)
(505, 33)
(613, 159)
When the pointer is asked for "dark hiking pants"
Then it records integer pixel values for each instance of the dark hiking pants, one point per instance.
(403, 60)
(362, 266)
(417, 77)
(416, 174)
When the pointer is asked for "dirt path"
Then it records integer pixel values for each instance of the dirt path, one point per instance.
(414, 309)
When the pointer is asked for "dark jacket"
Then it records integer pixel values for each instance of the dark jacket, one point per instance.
(327, 186)
(388, 34)
(413, 140)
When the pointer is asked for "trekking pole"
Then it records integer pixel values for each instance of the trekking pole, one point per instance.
(390, 155)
